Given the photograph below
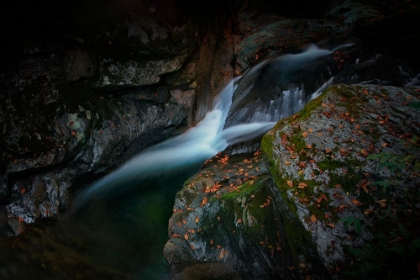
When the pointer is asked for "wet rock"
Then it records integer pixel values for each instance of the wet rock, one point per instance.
(76, 103)
(226, 215)
(137, 73)
(77, 143)
(350, 12)
(341, 164)
(275, 36)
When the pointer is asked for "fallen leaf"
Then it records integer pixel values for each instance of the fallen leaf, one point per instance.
(331, 225)
(313, 218)
(356, 202)
(305, 134)
(290, 183)
(204, 202)
(196, 219)
(186, 236)
(239, 221)
(302, 185)
(382, 202)
(309, 146)
(287, 163)
(368, 211)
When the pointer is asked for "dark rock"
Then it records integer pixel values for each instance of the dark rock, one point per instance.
(225, 214)
(340, 164)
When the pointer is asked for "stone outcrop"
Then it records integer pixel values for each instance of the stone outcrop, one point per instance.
(342, 164)
(79, 104)
(228, 215)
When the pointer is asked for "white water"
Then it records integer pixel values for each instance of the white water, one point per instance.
(195, 145)
(206, 139)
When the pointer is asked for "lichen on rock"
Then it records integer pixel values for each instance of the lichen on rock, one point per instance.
(324, 162)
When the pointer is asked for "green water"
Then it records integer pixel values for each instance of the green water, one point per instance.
(119, 235)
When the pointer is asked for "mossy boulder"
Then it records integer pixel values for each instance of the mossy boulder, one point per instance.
(347, 169)
(228, 214)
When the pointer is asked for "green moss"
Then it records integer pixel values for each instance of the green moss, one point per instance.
(245, 190)
(306, 112)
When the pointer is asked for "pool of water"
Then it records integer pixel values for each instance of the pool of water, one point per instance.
(119, 235)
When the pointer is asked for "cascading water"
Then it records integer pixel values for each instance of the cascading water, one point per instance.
(209, 136)
(194, 146)
(123, 217)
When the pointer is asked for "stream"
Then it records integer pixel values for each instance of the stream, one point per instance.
(117, 226)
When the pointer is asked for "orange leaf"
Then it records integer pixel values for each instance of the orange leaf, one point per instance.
(356, 202)
(73, 133)
(368, 211)
(239, 221)
(211, 241)
(290, 183)
(305, 134)
(196, 219)
(331, 225)
(313, 218)
(184, 222)
(204, 202)
(186, 236)
(20, 219)
(302, 185)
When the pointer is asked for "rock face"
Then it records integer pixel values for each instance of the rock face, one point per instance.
(342, 164)
(75, 106)
(228, 214)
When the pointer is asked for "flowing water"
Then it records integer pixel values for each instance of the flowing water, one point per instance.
(117, 227)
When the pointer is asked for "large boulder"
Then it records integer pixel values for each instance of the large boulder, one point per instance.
(347, 168)
(227, 215)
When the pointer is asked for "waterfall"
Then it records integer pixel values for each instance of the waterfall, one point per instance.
(211, 136)
(196, 145)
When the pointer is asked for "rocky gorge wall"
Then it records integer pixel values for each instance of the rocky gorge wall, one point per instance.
(106, 80)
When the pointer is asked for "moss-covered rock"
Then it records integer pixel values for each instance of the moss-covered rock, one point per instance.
(228, 214)
(342, 165)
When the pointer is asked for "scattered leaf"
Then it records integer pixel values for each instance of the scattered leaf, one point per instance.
(290, 183)
(186, 236)
(331, 225)
(302, 185)
(356, 202)
(204, 202)
(313, 218)
(368, 211)
(305, 134)
(196, 219)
